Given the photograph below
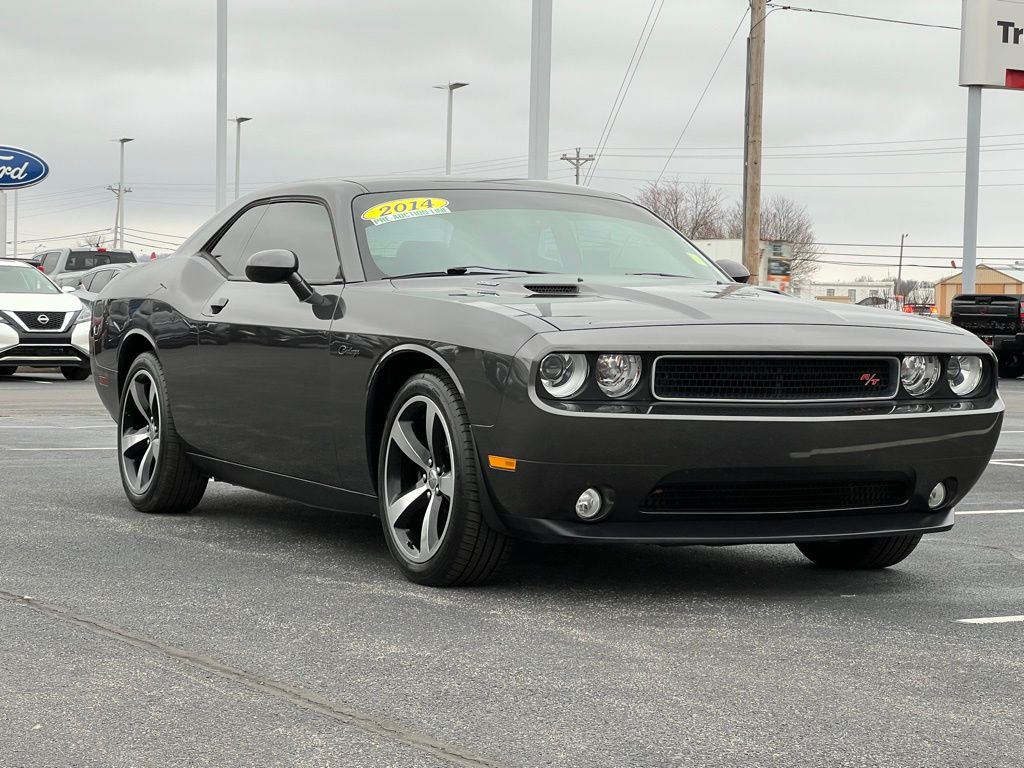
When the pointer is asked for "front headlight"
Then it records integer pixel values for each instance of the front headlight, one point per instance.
(964, 373)
(618, 375)
(563, 375)
(919, 373)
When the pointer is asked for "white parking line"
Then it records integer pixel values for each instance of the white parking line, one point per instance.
(51, 426)
(992, 620)
(989, 512)
(104, 448)
(1007, 462)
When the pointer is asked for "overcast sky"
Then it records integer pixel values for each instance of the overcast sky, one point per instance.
(340, 88)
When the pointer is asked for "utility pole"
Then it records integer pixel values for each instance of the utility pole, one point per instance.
(220, 196)
(899, 274)
(540, 89)
(14, 239)
(119, 216)
(752, 143)
(578, 162)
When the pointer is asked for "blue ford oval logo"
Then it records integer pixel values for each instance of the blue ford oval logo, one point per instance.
(19, 168)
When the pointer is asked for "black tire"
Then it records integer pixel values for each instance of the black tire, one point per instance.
(1011, 368)
(469, 550)
(175, 485)
(860, 554)
(71, 373)
(8, 370)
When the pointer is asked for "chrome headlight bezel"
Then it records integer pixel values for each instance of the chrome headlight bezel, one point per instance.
(971, 371)
(629, 376)
(919, 374)
(564, 381)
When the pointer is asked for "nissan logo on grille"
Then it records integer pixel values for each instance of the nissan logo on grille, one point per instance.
(43, 319)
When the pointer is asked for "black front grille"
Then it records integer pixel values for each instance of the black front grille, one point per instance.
(774, 379)
(35, 321)
(696, 498)
(32, 350)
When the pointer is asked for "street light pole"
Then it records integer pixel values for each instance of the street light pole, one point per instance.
(220, 197)
(540, 89)
(238, 148)
(119, 239)
(451, 88)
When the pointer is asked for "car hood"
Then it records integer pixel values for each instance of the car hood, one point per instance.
(618, 302)
(39, 302)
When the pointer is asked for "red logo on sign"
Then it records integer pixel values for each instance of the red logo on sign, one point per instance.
(870, 380)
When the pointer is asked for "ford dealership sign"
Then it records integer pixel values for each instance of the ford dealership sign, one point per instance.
(19, 168)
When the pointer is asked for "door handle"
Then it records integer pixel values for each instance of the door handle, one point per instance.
(217, 305)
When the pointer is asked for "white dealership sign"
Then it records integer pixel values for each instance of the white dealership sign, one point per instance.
(992, 44)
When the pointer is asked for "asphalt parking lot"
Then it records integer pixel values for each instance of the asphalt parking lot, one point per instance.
(261, 632)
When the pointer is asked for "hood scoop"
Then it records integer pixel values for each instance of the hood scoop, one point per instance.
(553, 289)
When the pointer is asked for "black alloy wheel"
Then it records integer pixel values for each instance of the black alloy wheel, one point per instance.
(155, 471)
(429, 489)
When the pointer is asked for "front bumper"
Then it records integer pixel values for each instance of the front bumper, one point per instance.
(629, 451)
(45, 350)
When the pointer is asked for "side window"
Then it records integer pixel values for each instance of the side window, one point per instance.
(77, 282)
(100, 280)
(229, 248)
(304, 228)
(50, 261)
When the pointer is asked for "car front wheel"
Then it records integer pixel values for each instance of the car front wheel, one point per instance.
(860, 554)
(428, 487)
(155, 471)
(1011, 367)
(72, 373)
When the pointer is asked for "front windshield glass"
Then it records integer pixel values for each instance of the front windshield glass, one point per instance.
(15, 279)
(411, 233)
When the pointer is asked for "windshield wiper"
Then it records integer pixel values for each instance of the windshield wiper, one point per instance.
(466, 270)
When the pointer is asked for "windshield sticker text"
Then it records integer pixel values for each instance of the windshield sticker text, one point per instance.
(406, 208)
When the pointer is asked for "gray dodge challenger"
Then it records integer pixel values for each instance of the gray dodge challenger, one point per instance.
(481, 361)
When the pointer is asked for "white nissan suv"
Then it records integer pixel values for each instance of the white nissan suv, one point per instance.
(40, 325)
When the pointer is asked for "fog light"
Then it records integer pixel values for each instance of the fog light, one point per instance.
(588, 505)
(937, 497)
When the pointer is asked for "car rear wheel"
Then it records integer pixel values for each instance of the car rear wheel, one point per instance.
(428, 488)
(860, 554)
(155, 471)
(72, 373)
(8, 370)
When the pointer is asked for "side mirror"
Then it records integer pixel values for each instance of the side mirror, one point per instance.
(68, 289)
(734, 269)
(274, 266)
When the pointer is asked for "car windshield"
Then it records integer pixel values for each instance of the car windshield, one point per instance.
(14, 279)
(459, 231)
(79, 261)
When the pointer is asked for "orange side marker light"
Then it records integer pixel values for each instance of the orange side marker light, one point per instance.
(502, 462)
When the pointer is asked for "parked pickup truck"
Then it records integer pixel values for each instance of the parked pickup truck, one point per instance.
(999, 322)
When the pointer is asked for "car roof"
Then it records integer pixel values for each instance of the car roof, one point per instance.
(400, 184)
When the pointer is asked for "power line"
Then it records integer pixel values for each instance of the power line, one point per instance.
(627, 81)
(858, 16)
(703, 93)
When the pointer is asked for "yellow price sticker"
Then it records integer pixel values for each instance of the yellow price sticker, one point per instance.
(405, 208)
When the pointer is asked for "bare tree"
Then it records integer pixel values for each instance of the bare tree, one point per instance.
(784, 220)
(697, 210)
(92, 241)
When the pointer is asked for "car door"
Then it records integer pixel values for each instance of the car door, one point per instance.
(263, 355)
